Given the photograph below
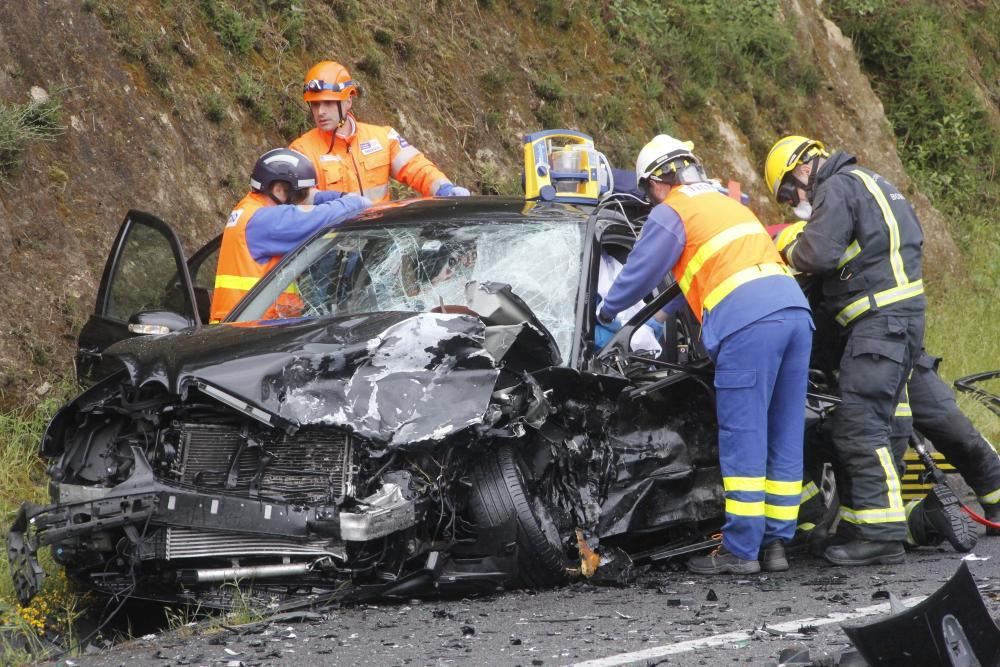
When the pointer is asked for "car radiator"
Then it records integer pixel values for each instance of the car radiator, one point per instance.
(311, 467)
(187, 543)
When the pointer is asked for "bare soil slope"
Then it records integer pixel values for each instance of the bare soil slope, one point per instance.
(167, 104)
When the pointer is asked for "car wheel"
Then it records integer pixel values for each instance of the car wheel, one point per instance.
(499, 496)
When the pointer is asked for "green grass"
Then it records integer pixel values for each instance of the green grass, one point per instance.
(22, 478)
(138, 40)
(22, 124)
(192, 620)
(372, 63)
(960, 330)
(550, 88)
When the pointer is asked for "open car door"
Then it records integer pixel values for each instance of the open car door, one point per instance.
(201, 268)
(146, 289)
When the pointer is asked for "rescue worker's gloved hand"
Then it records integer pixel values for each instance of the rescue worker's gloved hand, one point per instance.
(656, 327)
(349, 205)
(451, 190)
(355, 202)
(323, 196)
(788, 234)
(603, 333)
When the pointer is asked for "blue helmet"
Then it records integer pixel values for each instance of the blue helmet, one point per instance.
(283, 164)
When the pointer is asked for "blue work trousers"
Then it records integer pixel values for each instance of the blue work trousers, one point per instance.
(760, 380)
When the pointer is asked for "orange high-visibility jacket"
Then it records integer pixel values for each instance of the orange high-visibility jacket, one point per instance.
(726, 246)
(238, 271)
(366, 160)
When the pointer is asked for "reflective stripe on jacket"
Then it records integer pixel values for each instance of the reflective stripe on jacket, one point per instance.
(237, 271)
(365, 161)
(726, 246)
(864, 239)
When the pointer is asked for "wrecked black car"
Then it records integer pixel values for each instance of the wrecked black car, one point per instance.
(409, 404)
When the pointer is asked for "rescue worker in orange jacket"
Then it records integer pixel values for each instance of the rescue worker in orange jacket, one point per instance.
(757, 328)
(351, 156)
(282, 209)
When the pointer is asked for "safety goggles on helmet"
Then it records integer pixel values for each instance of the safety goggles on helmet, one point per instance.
(319, 85)
(788, 191)
(682, 171)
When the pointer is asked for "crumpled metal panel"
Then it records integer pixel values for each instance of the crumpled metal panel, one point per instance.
(666, 459)
(393, 378)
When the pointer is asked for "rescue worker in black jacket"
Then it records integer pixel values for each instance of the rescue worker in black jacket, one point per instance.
(938, 515)
(864, 242)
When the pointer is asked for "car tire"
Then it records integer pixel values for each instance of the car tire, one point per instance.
(499, 495)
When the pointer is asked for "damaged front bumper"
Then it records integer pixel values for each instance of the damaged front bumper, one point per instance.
(169, 523)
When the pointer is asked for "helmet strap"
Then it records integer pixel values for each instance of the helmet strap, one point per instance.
(340, 125)
(810, 183)
(270, 193)
(340, 110)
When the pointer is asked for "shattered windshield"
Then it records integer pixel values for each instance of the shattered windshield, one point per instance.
(420, 267)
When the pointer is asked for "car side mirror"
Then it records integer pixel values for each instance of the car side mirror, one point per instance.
(156, 322)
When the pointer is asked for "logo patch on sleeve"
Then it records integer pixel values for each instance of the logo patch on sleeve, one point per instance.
(370, 146)
(394, 135)
(234, 217)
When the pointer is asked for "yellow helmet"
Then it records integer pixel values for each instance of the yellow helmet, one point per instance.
(785, 155)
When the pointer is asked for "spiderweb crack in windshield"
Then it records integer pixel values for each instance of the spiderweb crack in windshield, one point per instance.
(419, 268)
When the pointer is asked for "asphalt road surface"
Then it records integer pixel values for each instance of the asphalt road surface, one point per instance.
(665, 616)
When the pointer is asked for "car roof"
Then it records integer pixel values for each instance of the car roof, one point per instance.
(468, 210)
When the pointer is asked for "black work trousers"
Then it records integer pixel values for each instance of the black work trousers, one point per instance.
(937, 416)
(879, 353)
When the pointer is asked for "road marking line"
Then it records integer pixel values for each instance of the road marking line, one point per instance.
(717, 640)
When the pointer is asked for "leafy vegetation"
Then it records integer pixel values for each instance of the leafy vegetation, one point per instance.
(251, 92)
(742, 56)
(943, 106)
(213, 106)
(949, 137)
(237, 31)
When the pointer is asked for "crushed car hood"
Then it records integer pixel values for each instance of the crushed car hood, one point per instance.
(395, 378)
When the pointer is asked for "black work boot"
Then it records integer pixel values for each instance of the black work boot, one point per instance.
(720, 561)
(865, 552)
(939, 517)
(772, 557)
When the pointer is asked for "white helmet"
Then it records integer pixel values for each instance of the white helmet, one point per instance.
(663, 155)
